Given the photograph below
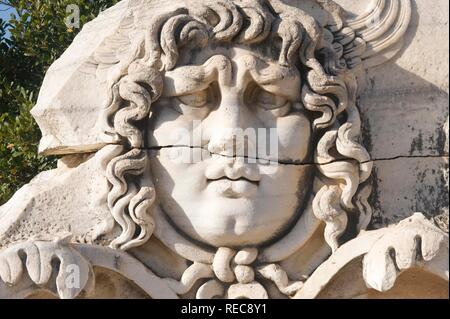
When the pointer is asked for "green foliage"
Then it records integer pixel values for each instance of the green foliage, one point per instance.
(30, 41)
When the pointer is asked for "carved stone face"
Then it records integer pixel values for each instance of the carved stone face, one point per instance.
(211, 189)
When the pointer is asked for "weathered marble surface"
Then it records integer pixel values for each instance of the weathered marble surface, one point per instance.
(362, 119)
(414, 92)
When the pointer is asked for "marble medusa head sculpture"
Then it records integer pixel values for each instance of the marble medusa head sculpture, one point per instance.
(244, 65)
(213, 149)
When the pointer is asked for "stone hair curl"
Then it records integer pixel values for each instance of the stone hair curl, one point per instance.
(329, 93)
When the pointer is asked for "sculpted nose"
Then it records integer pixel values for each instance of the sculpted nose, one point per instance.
(231, 110)
(228, 122)
(223, 132)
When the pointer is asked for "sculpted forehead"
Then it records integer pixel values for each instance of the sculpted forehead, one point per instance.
(268, 50)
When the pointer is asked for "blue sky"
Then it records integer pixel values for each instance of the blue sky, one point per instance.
(5, 13)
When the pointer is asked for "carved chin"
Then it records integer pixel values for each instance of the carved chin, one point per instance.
(228, 222)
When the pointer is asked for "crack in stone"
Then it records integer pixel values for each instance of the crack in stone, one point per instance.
(299, 163)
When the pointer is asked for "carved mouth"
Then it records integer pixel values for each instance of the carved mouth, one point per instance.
(243, 179)
(233, 188)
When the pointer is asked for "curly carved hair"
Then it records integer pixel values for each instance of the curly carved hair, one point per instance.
(329, 93)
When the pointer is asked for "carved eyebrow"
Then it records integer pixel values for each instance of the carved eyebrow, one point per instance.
(271, 76)
(193, 78)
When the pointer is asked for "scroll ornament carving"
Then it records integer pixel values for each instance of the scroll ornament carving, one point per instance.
(412, 242)
(36, 259)
(387, 253)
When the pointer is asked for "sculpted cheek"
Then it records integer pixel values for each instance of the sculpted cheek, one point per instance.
(294, 135)
(167, 127)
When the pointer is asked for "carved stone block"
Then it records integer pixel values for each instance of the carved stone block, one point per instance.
(237, 149)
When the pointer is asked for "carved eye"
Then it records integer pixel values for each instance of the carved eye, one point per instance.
(195, 100)
(197, 104)
(266, 101)
(269, 101)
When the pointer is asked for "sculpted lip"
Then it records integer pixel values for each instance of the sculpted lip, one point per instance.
(233, 188)
(218, 172)
(233, 180)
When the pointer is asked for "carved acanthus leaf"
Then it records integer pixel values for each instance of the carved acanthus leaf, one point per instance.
(407, 245)
(74, 272)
